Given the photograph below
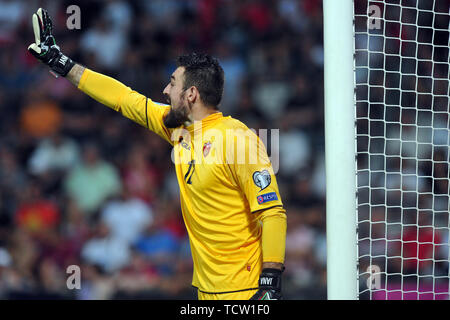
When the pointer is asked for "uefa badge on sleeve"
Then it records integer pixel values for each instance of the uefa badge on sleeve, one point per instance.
(262, 179)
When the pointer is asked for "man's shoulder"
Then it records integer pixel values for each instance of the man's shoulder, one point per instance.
(236, 133)
(230, 123)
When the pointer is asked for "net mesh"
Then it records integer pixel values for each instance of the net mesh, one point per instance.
(402, 132)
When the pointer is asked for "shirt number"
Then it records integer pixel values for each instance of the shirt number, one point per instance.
(190, 172)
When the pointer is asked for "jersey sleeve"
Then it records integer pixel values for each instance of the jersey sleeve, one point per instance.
(273, 234)
(129, 103)
(252, 170)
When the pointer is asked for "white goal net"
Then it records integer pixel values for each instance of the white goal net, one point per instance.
(402, 139)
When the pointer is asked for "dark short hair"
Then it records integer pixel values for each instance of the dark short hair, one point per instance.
(205, 73)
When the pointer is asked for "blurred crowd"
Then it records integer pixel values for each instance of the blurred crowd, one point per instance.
(81, 185)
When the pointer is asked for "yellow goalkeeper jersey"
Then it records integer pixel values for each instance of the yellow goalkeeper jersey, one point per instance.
(226, 181)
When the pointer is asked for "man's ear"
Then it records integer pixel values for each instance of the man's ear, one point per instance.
(192, 94)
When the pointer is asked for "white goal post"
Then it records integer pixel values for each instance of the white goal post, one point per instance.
(387, 138)
(340, 149)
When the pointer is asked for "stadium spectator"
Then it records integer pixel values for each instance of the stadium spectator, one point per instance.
(105, 43)
(420, 244)
(105, 251)
(299, 245)
(97, 285)
(126, 217)
(56, 153)
(40, 118)
(140, 178)
(35, 213)
(13, 179)
(12, 13)
(160, 243)
(92, 181)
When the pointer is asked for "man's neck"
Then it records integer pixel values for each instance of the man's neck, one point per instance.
(201, 112)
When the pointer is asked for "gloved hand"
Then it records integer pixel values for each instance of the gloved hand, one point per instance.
(45, 48)
(269, 285)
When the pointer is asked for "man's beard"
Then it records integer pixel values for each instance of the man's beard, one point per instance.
(176, 117)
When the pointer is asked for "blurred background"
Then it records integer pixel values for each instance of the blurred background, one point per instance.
(81, 185)
(403, 134)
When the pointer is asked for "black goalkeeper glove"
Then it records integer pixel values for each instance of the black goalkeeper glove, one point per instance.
(45, 48)
(269, 285)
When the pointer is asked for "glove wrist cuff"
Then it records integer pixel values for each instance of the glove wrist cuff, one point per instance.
(61, 64)
(270, 279)
(272, 270)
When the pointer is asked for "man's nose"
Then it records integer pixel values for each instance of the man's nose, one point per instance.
(166, 90)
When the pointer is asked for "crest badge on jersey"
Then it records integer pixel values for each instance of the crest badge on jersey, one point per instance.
(262, 179)
(206, 148)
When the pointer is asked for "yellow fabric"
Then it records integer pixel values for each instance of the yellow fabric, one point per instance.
(121, 98)
(273, 234)
(222, 205)
(240, 295)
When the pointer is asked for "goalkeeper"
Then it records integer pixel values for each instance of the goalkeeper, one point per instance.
(230, 203)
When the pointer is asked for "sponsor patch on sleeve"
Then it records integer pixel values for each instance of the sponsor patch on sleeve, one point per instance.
(267, 197)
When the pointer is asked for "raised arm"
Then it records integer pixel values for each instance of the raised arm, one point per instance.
(44, 47)
(102, 88)
(74, 75)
